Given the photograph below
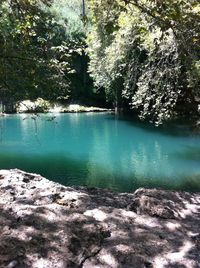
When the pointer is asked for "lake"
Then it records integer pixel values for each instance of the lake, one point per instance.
(101, 150)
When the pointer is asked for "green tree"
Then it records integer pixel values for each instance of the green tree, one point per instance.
(147, 54)
(38, 45)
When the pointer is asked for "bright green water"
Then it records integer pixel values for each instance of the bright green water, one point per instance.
(101, 150)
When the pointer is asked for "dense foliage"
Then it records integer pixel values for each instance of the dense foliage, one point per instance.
(146, 53)
(39, 42)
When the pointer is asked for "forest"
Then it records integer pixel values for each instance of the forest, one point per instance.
(138, 55)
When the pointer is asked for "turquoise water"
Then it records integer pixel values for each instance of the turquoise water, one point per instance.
(101, 150)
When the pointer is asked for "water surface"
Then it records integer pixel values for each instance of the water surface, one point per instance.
(101, 150)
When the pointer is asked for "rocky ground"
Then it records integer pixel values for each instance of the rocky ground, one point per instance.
(46, 225)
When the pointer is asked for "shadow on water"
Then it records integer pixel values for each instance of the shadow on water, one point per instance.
(175, 128)
(70, 171)
(190, 153)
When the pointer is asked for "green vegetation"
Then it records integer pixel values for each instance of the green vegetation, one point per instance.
(38, 48)
(147, 54)
(141, 54)
(33, 59)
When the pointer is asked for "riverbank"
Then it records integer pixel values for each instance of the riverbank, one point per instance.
(44, 224)
(41, 105)
(44, 106)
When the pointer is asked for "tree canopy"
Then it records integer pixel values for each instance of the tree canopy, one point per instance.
(38, 42)
(147, 54)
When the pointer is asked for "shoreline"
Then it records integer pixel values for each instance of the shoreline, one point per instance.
(100, 110)
(43, 106)
(45, 224)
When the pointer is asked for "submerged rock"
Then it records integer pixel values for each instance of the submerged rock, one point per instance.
(44, 224)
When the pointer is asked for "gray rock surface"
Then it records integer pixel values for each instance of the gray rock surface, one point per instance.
(46, 225)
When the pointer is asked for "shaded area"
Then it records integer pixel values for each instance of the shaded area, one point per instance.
(173, 128)
(45, 224)
(70, 171)
(165, 232)
(190, 153)
(39, 232)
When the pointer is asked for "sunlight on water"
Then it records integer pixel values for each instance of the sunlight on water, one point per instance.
(101, 150)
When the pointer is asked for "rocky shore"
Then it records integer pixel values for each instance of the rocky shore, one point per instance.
(46, 225)
(43, 106)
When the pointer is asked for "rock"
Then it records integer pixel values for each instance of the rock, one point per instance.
(50, 225)
(152, 206)
(159, 203)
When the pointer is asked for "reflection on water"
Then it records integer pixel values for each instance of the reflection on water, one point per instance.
(101, 150)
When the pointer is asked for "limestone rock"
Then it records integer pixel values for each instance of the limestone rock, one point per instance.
(44, 224)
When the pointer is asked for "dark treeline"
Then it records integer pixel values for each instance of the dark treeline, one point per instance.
(42, 46)
(140, 55)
